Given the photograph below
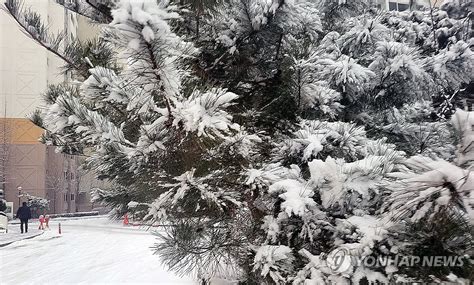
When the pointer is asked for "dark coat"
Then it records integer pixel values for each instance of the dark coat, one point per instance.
(23, 213)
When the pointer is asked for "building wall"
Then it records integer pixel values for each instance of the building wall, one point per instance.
(25, 165)
(87, 183)
(401, 5)
(62, 181)
(86, 31)
(26, 69)
(38, 169)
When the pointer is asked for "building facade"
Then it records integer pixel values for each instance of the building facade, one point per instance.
(26, 69)
(403, 5)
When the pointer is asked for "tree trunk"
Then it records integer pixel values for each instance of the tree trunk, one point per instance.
(198, 16)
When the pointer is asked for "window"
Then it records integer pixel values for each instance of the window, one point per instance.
(402, 7)
(72, 197)
(395, 6)
(81, 197)
(392, 6)
(65, 197)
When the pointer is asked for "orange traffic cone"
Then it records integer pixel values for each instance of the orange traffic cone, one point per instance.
(125, 219)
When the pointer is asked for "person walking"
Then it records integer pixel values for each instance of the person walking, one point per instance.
(24, 214)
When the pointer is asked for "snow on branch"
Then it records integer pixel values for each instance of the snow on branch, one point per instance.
(345, 73)
(427, 187)
(96, 10)
(463, 122)
(69, 112)
(150, 47)
(454, 65)
(203, 113)
(296, 195)
(197, 193)
(103, 79)
(274, 261)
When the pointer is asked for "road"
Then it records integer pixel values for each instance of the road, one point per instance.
(89, 251)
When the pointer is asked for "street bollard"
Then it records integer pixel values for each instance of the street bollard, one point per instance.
(59, 228)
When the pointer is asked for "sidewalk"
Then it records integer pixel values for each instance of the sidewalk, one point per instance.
(14, 234)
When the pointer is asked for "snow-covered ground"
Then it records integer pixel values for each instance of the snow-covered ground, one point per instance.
(89, 251)
(14, 235)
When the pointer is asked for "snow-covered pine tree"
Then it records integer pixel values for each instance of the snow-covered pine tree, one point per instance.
(432, 203)
(322, 190)
(333, 11)
(37, 203)
(168, 145)
(320, 85)
(3, 202)
(385, 82)
(3, 205)
(98, 11)
(250, 46)
(444, 34)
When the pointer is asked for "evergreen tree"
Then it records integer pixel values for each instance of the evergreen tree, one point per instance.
(3, 205)
(265, 136)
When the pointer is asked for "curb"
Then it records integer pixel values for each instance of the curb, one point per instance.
(30, 237)
(59, 219)
(144, 225)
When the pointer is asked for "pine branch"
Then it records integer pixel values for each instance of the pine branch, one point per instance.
(33, 27)
(95, 12)
(158, 77)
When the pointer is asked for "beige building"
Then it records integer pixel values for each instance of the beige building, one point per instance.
(403, 5)
(37, 168)
(26, 69)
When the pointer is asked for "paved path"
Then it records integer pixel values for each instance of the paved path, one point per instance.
(14, 234)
